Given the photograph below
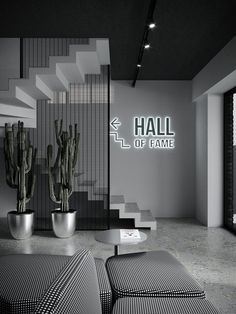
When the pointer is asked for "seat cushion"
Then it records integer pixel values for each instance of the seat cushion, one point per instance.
(156, 273)
(74, 290)
(104, 286)
(33, 275)
(24, 278)
(163, 306)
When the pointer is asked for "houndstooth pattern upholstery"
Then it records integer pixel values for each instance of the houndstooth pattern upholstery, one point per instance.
(163, 306)
(150, 274)
(104, 286)
(24, 278)
(33, 275)
(65, 295)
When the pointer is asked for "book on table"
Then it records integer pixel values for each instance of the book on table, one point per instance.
(129, 235)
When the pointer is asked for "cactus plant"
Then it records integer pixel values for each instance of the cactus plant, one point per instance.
(60, 175)
(20, 161)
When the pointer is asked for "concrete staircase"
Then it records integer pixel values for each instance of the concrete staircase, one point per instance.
(20, 100)
(142, 218)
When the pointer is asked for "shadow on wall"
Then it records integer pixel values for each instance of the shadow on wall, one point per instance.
(7, 195)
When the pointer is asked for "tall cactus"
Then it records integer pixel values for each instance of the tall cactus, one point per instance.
(20, 161)
(60, 175)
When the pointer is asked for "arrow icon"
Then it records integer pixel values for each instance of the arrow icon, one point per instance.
(115, 123)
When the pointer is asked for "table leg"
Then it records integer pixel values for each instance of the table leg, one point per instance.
(116, 250)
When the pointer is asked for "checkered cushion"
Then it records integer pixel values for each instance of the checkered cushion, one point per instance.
(149, 274)
(104, 286)
(34, 274)
(65, 295)
(163, 306)
(24, 278)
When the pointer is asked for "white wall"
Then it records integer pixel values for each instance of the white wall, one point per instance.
(209, 160)
(162, 181)
(201, 160)
(9, 60)
(215, 160)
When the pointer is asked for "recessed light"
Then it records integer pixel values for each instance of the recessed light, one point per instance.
(139, 65)
(152, 25)
(147, 46)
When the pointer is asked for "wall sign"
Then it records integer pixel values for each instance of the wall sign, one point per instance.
(148, 132)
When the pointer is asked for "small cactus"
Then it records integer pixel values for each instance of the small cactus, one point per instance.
(19, 162)
(60, 175)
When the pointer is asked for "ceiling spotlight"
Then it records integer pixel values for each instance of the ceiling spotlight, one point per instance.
(147, 46)
(152, 25)
(139, 65)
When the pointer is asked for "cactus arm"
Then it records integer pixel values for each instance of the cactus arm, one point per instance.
(51, 182)
(52, 194)
(32, 177)
(10, 176)
(58, 132)
(22, 180)
(63, 173)
(70, 170)
(76, 150)
(70, 132)
(10, 166)
(31, 187)
(9, 147)
(57, 161)
(29, 159)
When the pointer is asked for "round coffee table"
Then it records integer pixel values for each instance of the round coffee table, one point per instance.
(113, 237)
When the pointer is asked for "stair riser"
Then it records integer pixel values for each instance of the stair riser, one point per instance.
(117, 206)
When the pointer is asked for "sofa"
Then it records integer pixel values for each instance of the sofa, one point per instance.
(139, 283)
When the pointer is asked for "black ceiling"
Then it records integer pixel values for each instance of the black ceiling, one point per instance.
(188, 34)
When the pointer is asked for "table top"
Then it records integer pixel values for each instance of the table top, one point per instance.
(112, 236)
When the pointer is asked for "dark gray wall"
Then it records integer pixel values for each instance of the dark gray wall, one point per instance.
(9, 60)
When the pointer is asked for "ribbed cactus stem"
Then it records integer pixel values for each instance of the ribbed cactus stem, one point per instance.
(60, 175)
(20, 161)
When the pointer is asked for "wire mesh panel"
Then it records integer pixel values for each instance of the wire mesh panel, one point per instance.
(86, 105)
(229, 158)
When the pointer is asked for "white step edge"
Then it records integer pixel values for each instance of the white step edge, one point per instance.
(19, 112)
(147, 220)
(117, 202)
(131, 211)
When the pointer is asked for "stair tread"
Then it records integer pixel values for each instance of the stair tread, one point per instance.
(146, 216)
(117, 199)
(132, 208)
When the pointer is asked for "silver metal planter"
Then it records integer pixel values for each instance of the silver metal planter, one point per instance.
(21, 226)
(64, 223)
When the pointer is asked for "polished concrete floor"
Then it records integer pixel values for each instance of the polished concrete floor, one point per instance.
(208, 254)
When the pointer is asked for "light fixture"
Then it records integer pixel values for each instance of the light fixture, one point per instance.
(152, 25)
(145, 45)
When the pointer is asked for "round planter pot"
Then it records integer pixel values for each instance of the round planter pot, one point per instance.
(64, 223)
(21, 225)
